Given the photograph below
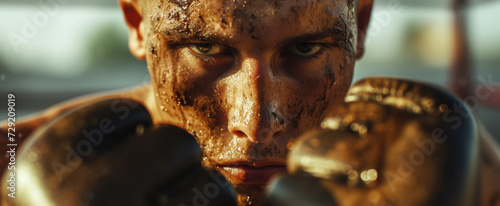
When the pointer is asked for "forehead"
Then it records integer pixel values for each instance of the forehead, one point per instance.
(253, 18)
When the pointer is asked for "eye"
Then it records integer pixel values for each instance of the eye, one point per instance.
(303, 49)
(207, 49)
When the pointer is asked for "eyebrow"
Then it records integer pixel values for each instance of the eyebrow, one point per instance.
(175, 37)
(328, 31)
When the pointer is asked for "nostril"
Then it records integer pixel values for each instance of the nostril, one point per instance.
(239, 133)
(277, 134)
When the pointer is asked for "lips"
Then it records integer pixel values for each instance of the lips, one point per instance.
(247, 173)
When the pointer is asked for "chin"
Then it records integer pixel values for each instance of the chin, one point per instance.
(250, 194)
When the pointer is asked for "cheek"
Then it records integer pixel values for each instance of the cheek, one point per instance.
(172, 81)
(185, 96)
(308, 100)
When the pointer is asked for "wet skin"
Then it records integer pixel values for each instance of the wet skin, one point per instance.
(250, 99)
(246, 78)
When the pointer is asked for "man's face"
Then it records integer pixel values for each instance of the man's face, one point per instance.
(248, 77)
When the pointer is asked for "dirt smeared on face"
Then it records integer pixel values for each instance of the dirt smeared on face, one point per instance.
(248, 104)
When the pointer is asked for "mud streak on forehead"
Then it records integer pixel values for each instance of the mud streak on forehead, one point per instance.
(191, 19)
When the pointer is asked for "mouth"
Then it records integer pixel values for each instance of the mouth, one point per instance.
(252, 173)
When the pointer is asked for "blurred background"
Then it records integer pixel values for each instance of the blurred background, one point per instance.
(53, 50)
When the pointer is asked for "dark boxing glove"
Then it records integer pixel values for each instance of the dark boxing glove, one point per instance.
(395, 142)
(110, 153)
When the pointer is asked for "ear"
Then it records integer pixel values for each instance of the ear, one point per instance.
(133, 18)
(363, 18)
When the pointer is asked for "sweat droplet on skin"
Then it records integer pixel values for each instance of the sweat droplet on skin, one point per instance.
(217, 142)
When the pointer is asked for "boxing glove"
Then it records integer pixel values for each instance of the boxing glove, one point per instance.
(110, 153)
(394, 142)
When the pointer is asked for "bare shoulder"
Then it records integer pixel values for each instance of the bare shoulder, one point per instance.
(25, 126)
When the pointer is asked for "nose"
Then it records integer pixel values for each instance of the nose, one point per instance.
(255, 114)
